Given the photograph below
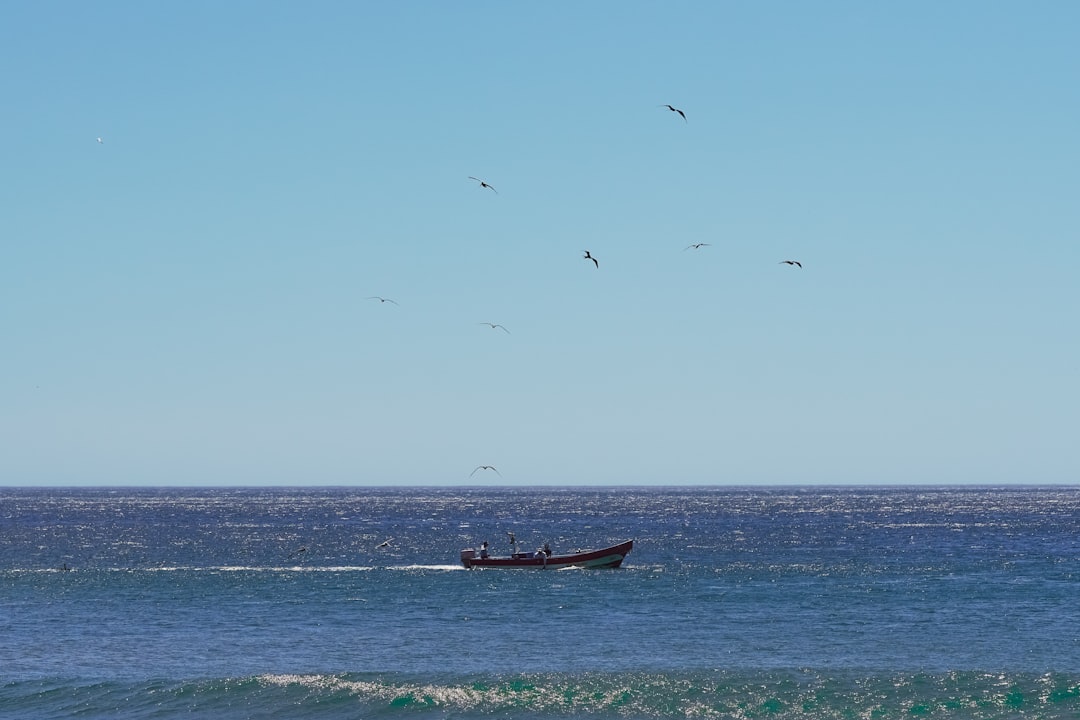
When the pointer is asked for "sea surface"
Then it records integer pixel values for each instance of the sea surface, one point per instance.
(772, 603)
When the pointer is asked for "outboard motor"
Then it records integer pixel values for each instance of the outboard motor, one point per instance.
(467, 556)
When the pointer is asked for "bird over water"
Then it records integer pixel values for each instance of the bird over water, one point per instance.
(676, 110)
(484, 184)
(495, 325)
(588, 256)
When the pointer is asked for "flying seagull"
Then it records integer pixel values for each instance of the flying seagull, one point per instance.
(675, 109)
(790, 262)
(695, 246)
(382, 299)
(495, 325)
(300, 550)
(485, 467)
(101, 141)
(590, 257)
(384, 544)
(484, 184)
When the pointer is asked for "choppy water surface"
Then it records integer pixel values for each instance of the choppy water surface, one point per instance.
(779, 603)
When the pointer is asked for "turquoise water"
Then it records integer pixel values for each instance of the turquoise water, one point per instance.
(735, 603)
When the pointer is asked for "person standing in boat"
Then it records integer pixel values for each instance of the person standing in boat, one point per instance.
(484, 550)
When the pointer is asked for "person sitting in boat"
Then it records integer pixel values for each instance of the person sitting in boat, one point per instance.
(547, 550)
(539, 553)
(484, 550)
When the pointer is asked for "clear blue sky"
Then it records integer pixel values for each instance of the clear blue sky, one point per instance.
(187, 301)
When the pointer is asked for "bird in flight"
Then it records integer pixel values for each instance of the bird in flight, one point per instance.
(695, 246)
(484, 184)
(298, 551)
(101, 141)
(384, 544)
(485, 467)
(495, 325)
(790, 262)
(675, 109)
(590, 257)
(382, 299)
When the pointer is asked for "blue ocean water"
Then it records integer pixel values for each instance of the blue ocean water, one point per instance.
(775, 603)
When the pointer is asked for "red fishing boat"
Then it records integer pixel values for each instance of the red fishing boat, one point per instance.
(609, 557)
